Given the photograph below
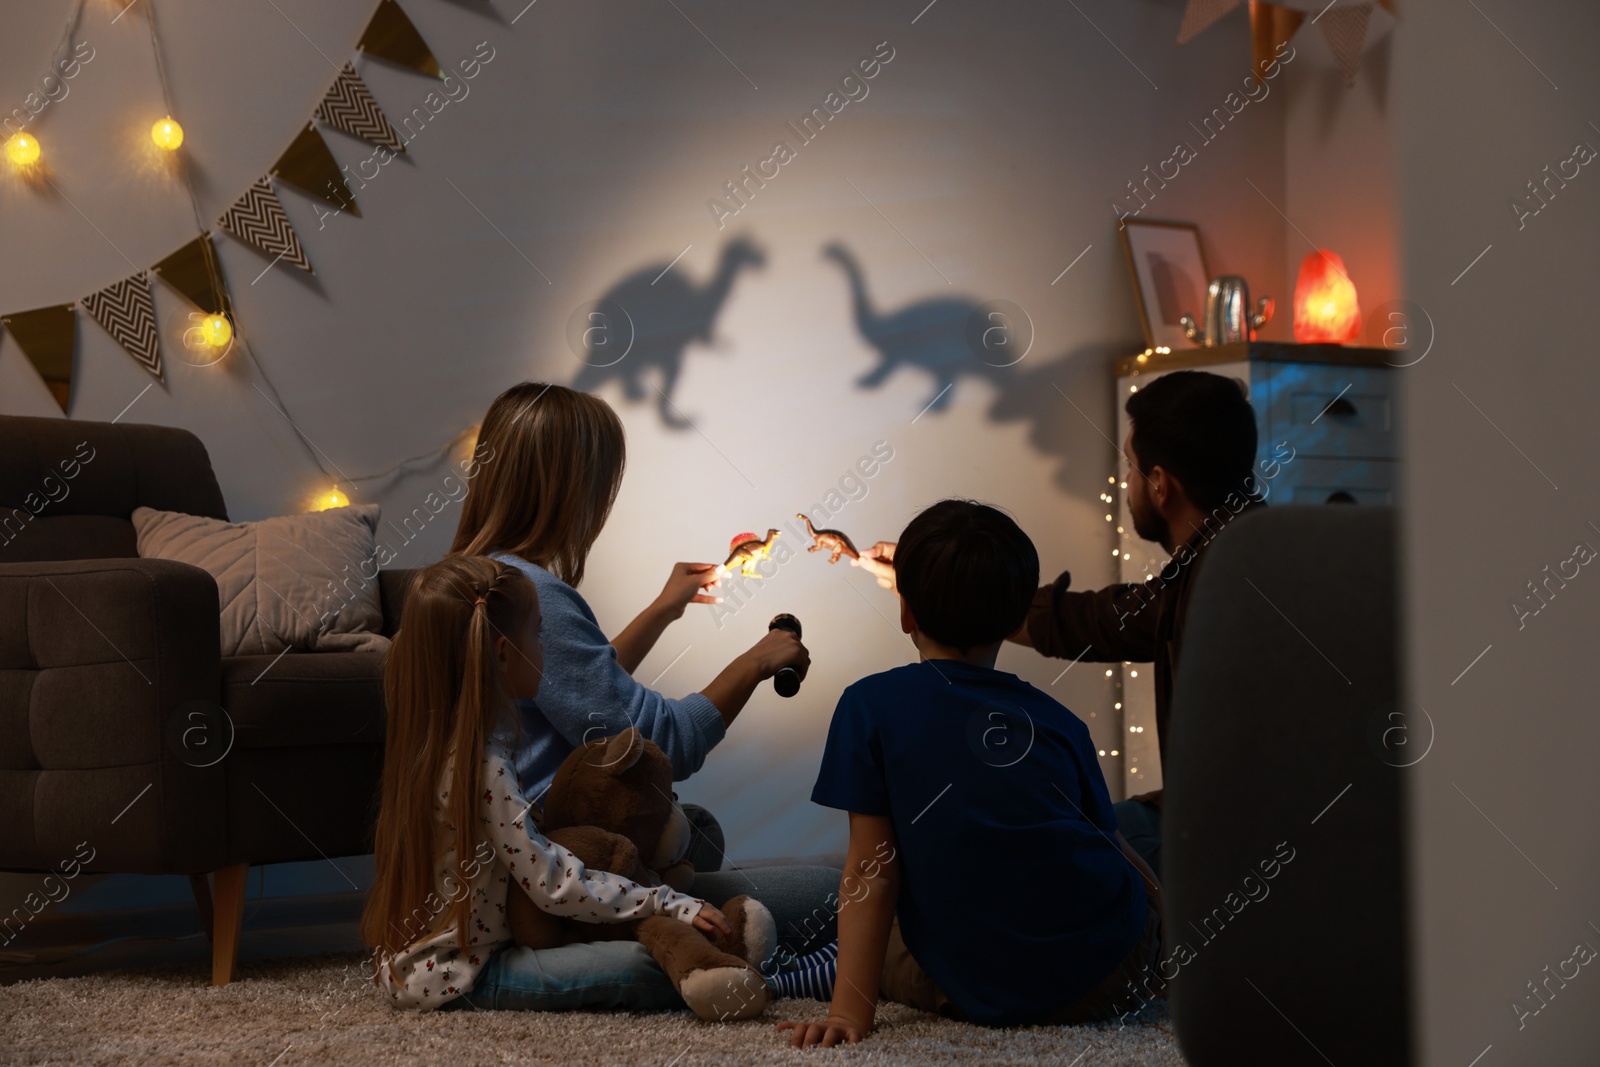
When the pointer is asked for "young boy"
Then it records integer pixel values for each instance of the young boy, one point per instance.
(985, 878)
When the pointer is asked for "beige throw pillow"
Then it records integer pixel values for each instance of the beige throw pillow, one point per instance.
(300, 581)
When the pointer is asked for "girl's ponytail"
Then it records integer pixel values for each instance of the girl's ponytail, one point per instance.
(442, 687)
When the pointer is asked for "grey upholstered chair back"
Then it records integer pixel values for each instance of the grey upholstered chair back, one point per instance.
(67, 487)
(1283, 828)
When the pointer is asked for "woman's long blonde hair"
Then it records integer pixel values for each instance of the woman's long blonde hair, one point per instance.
(442, 686)
(544, 491)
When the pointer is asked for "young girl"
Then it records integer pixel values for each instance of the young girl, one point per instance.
(552, 464)
(454, 837)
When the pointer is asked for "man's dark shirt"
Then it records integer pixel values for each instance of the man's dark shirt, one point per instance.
(1141, 622)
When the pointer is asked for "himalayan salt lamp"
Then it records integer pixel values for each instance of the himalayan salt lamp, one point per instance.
(1326, 310)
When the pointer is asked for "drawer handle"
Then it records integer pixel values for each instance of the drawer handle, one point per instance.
(1340, 408)
(1339, 496)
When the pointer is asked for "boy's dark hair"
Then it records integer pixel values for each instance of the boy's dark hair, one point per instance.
(967, 572)
(1199, 426)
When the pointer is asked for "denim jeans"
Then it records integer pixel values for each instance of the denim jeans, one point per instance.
(804, 901)
(622, 974)
(706, 843)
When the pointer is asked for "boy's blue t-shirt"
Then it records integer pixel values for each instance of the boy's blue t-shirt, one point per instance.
(1014, 896)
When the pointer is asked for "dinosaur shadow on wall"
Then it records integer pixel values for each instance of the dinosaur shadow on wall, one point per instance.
(664, 312)
(929, 335)
(942, 337)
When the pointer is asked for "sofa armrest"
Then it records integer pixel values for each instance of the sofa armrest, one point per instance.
(97, 659)
(392, 588)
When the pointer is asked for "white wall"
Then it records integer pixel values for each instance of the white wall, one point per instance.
(994, 142)
(1501, 441)
(1340, 171)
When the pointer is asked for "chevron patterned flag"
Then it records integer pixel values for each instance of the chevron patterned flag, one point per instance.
(1345, 30)
(1200, 14)
(257, 218)
(127, 313)
(351, 108)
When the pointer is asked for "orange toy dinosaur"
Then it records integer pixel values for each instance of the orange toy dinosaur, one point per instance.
(829, 541)
(747, 551)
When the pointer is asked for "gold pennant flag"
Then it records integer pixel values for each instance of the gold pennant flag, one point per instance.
(193, 271)
(390, 35)
(46, 336)
(1271, 26)
(310, 167)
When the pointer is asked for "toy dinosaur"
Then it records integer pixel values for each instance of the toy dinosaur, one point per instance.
(829, 541)
(747, 551)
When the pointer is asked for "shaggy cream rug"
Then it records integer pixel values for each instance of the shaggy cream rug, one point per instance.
(319, 1011)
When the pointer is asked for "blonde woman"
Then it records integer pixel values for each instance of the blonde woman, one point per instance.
(555, 460)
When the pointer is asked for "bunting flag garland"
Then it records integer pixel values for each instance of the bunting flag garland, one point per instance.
(1345, 30)
(390, 35)
(192, 270)
(125, 310)
(350, 108)
(47, 337)
(258, 219)
(1271, 27)
(310, 167)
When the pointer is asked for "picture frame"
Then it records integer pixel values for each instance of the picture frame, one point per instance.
(1168, 269)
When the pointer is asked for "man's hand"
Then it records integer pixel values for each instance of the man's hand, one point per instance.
(879, 562)
(687, 586)
(828, 1033)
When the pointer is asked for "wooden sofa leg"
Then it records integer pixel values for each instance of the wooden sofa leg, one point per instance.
(201, 887)
(228, 920)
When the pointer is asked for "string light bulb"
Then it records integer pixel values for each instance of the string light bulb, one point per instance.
(167, 134)
(22, 150)
(217, 330)
(331, 499)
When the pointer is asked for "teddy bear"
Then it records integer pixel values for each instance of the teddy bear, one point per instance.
(610, 804)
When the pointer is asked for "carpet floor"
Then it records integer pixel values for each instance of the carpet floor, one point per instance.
(319, 1011)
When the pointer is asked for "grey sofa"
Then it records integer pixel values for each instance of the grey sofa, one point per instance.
(108, 662)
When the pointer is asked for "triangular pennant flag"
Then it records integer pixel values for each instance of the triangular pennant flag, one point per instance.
(257, 218)
(127, 313)
(46, 337)
(1345, 30)
(310, 167)
(1271, 26)
(350, 107)
(390, 35)
(1200, 14)
(193, 271)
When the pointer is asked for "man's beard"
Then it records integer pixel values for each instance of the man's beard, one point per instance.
(1148, 523)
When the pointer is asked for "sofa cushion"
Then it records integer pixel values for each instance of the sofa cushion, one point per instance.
(304, 699)
(298, 581)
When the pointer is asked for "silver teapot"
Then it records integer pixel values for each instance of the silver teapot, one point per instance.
(1228, 317)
